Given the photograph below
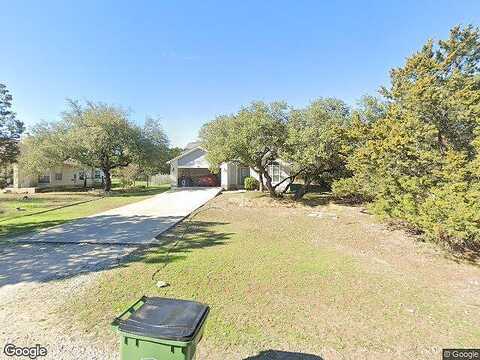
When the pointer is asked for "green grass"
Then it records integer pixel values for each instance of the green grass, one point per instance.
(43, 210)
(277, 278)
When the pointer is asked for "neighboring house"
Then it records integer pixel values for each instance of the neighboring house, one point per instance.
(67, 175)
(192, 164)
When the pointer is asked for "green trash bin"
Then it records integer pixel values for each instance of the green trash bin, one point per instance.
(161, 329)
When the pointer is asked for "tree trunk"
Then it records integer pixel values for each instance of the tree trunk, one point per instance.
(260, 176)
(268, 184)
(287, 187)
(108, 180)
(302, 190)
(441, 143)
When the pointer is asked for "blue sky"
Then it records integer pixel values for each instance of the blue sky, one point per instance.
(188, 61)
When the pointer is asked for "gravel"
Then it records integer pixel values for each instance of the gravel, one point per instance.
(35, 282)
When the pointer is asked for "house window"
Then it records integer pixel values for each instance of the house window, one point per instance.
(58, 176)
(44, 179)
(81, 175)
(97, 174)
(274, 172)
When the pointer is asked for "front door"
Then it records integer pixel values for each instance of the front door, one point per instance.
(243, 172)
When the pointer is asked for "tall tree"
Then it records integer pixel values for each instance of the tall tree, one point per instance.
(46, 146)
(314, 143)
(420, 162)
(370, 109)
(253, 137)
(155, 151)
(439, 85)
(10, 128)
(95, 135)
(101, 136)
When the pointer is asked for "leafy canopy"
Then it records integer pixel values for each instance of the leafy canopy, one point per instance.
(253, 137)
(10, 128)
(95, 135)
(314, 141)
(419, 161)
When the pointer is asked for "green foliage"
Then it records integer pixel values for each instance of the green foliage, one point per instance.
(128, 174)
(6, 175)
(101, 135)
(371, 108)
(315, 137)
(350, 189)
(96, 135)
(46, 146)
(417, 155)
(173, 152)
(252, 137)
(250, 183)
(451, 211)
(154, 149)
(10, 128)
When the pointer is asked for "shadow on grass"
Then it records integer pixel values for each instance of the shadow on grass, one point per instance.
(44, 262)
(8, 231)
(52, 209)
(16, 229)
(188, 236)
(324, 198)
(465, 252)
(134, 192)
(310, 199)
(138, 192)
(283, 355)
(316, 199)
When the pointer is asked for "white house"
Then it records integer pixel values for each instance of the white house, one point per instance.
(190, 166)
(65, 176)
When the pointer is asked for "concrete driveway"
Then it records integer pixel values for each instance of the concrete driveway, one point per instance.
(137, 224)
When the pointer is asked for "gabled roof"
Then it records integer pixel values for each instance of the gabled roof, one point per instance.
(192, 145)
(186, 153)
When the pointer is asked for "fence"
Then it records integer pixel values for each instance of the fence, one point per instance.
(160, 179)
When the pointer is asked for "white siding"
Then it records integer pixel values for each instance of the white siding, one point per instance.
(228, 176)
(284, 173)
(194, 159)
(229, 172)
(68, 178)
(174, 173)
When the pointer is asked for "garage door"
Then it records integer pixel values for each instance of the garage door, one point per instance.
(197, 177)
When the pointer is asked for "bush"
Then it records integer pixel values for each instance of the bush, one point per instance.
(351, 190)
(251, 183)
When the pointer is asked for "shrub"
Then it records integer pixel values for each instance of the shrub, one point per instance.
(350, 189)
(251, 183)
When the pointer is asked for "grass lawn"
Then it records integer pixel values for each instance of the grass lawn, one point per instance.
(43, 210)
(317, 279)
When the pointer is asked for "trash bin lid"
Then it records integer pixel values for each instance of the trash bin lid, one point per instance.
(168, 319)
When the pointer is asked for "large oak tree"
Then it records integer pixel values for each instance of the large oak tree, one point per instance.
(96, 135)
(313, 147)
(252, 137)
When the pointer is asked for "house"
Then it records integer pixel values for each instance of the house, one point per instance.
(65, 176)
(187, 169)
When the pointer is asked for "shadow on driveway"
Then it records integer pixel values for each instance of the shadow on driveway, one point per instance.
(43, 262)
(104, 229)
